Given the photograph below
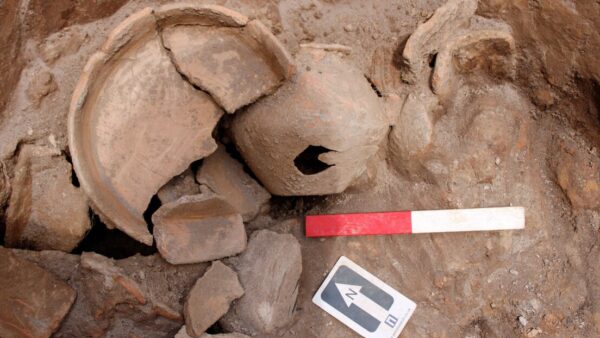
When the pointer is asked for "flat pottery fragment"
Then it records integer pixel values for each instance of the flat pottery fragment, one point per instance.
(235, 64)
(198, 228)
(226, 176)
(134, 123)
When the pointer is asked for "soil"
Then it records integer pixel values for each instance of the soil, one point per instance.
(538, 150)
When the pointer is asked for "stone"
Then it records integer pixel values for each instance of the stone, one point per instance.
(198, 228)
(269, 271)
(236, 65)
(33, 301)
(544, 98)
(578, 175)
(180, 185)
(60, 44)
(45, 212)
(331, 126)
(41, 86)
(210, 298)
(109, 293)
(128, 137)
(226, 177)
(432, 35)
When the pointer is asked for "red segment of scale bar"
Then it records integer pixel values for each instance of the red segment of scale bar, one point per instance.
(372, 223)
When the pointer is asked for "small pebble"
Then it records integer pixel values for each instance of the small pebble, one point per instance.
(534, 332)
(513, 272)
(349, 28)
(522, 321)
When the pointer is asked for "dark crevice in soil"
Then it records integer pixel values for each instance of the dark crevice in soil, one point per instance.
(432, 59)
(2, 232)
(585, 113)
(308, 161)
(215, 329)
(374, 87)
(152, 207)
(223, 137)
(595, 98)
(196, 165)
(111, 243)
(74, 179)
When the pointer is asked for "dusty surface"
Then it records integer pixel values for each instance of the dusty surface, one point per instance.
(531, 140)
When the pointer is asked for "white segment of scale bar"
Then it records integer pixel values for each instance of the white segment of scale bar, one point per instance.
(481, 219)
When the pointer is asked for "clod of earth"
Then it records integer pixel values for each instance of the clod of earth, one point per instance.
(269, 271)
(198, 228)
(136, 117)
(45, 212)
(226, 177)
(33, 301)
(412, 133)
(210, 298)
(320, 143)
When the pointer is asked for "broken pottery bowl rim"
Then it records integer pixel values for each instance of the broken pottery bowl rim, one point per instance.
(102, 199)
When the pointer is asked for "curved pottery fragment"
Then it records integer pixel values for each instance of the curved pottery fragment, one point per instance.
(432, 35)
(315, 135)
(135, 121)
(237, 62)
(489, 51)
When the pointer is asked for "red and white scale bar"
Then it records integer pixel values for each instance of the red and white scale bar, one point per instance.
(415, 222)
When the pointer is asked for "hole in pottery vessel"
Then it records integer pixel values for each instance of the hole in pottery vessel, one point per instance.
(308, 161)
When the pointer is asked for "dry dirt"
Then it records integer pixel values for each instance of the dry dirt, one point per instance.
(531, 141)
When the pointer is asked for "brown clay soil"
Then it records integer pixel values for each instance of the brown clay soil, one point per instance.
(541, 152)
